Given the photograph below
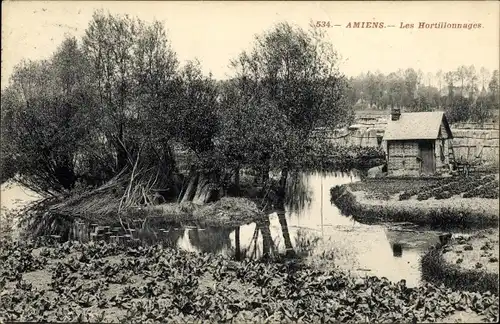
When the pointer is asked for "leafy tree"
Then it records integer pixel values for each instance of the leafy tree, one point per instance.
(109, 43)
(494, 86)
(49, 118)
(89, 112)
(296, 75)
(411, 81)
(461, 75)
(471, 81)
(135, 77)
(395, 89)
(484, 75)
(480, 110)
(197, 126)
(197, 109)
(251, 129)
(459, 109)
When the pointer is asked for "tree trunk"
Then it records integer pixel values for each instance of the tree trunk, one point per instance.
(265, 174)
(206, 190)
(120, 150)
(191, 188)
(202, 190)
(282, 185)
(237, 180)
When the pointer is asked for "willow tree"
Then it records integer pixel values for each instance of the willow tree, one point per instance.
(197, 125)
(295, 73)
(250, 127)
(135, 77)
(48, 112)
(108, 43)
(155, 93)
(134, 69)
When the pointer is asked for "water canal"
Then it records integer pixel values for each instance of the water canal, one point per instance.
(309, 221)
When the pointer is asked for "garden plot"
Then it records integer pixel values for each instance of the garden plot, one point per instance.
(479, 252)
(476, 186)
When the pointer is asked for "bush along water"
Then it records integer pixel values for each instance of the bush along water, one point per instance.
(108, 282)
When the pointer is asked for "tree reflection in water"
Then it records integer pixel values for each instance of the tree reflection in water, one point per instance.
(237, 246)
(155, 232)
(268, 248)
(397, 250)
(210, 239)
(298, 194)
(262, 245)
(298, 197)
(285, 232)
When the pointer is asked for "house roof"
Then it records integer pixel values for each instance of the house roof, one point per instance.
(417, 125)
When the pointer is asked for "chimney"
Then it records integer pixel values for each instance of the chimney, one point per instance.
(395, 113)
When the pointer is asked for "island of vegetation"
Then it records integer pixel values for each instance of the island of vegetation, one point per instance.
(466, 202)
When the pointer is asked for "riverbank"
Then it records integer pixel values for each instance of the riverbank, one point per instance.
(109, 283)
(465, 262)
(444, 203)
(98, 215)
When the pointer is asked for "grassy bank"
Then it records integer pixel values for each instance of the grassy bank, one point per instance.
(465, 263)
(100, 214)
(109, 283)
(381, 201)
(227, 212)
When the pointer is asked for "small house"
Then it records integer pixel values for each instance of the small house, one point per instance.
(418, 143)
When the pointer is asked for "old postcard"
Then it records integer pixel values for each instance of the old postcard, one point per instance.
(249, 161)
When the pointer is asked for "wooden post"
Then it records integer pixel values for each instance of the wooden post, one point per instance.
(237, 244)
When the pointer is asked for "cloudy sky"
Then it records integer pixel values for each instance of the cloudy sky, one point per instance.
(216, 32)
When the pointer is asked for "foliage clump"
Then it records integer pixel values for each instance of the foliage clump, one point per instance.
(230, 210)
(164, 284)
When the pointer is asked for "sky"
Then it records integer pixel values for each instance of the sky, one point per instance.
(216, 32)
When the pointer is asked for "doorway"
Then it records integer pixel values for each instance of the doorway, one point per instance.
(427, 155)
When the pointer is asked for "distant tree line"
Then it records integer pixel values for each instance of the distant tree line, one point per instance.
(118, 101)
(465, 94)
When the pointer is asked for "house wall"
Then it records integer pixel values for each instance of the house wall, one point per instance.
(442, 131)
(441, 151)
(402, 158)
(365, 135)
(469, 139)
(476, 141)
(441, 155)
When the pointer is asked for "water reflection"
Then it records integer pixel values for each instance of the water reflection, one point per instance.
(210, 239)
(397, 250)
(286, 233)
(306, 217)
(298, 193)
(168, 236)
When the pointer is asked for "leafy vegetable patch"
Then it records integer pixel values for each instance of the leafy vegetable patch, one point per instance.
(475, 186)
(108, 282)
